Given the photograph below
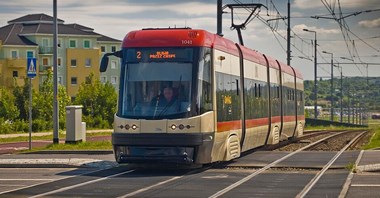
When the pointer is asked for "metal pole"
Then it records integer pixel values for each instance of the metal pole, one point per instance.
(288, 36)
(367, 75)
(315, 76)
(332, 88)
(55, 76)
(219, 17)
(30, 114)
(348, 101)
(341, 94)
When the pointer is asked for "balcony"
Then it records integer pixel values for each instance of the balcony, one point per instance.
(45, 50)
(16, 62)
(43, 69)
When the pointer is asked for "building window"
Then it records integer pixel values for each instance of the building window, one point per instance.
(45, 42)
(88, 80)
(73, 62)
(113, 48)
(45, 61)
(59, 62)
(72, 43)
(103, 79)
(113, 80)
(102, 48)
(14, 54)
(74, 81)
(88, 62)
(60, 43)
(86, 44)
(15, 74)
(29, 54)
(60, 80)
(113, 64)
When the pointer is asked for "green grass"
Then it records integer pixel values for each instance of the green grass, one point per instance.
(48, 137)
(375, 139)
(99, 145)
(331, 127)
(374, 123)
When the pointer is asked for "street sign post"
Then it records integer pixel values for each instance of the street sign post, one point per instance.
(31, 72)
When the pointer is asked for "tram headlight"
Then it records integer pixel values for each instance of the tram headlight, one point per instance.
(134, 127)
(127, 126)
(173, 126)
(181, 126)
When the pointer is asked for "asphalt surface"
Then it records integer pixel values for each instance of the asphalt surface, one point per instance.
(96, 174)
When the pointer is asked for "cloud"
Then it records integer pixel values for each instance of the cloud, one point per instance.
(311, 4)
(307, 4)
(299, 29)
(375, 23)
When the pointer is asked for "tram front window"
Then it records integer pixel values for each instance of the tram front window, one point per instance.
(156, 90)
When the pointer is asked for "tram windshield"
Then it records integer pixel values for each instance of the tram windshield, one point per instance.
(157, 83)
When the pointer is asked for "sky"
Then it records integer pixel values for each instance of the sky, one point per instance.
(359, 42)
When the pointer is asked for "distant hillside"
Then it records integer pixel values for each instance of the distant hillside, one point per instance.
(355, 89)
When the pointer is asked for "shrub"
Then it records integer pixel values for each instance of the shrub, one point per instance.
(41, 125)
(20, 126)
(5, 126)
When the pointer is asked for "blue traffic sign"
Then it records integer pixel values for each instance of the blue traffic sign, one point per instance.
(31, 70)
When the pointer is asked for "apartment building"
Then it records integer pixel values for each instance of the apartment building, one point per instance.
(79, 52)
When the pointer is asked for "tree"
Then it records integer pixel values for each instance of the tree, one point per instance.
(8, 109)
(43, 103)
(99, 102)
(22, 96)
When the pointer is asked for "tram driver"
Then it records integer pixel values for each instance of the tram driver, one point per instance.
(168, 101)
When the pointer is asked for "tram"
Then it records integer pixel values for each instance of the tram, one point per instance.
(188, 96)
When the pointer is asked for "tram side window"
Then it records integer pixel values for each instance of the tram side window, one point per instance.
(204, 99)
(256, 90)
(259, 95)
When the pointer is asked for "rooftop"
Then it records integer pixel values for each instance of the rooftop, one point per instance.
(33, 24)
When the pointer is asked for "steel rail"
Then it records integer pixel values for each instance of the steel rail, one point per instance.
(316, 178)
(63, 178)
(142, 190)
(81, 184)
(245, 179)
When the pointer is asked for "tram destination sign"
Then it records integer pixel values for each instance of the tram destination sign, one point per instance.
(160, 55)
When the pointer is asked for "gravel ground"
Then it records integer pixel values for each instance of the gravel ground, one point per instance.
(334, 144)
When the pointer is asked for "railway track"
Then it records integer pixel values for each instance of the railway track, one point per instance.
(211, 181)
(310, 146)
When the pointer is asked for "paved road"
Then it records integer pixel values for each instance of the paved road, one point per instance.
(286, 180)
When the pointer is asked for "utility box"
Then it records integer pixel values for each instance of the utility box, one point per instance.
(75, 129)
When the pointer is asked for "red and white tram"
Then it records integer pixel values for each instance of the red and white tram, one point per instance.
(190, 96)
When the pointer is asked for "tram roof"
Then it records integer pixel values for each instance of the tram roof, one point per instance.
(186, 37)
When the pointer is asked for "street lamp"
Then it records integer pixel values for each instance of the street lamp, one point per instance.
(348, 96)
(345, 58)
(315, 72)
(331, 86)
(341, 91)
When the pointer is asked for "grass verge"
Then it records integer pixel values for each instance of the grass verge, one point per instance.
(98, 145)
(48, 137)
(375, 139)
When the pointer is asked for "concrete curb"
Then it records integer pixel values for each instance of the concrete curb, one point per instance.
(368, 168)
(56, 163)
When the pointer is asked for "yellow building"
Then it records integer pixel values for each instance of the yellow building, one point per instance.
(80, 64)
(79, 52)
